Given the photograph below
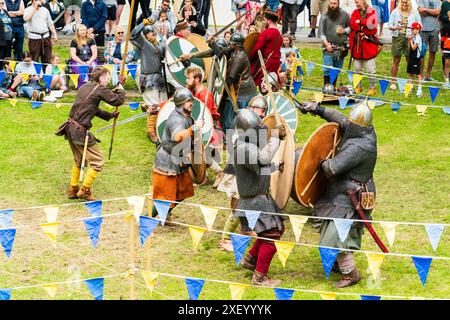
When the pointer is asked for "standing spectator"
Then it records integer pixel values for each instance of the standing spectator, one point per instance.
(348, 6)
(429, 13)
(111, 7)
(195, 25)
(165, 6)
(382, 9)
(363, 24)
(15, 10)
(401, 18)
(415, 45)
(94, 14)
(83, 52)
(120, 5)
(238, 7)
(40, 25)
(316, 7)
(203, 15)
(290, 10)
(55, 8)
(186, 5)
(334, 30)
(75, 7)
(114, 53)
(145, 8)
(444, 15)
(5, 33)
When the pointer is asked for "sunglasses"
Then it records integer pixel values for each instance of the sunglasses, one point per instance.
(121, 32)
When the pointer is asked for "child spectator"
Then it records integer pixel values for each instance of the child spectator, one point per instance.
(285, 70)
(59, 76)
(5, 86)
(415, 45)
(28, 79)
(163, 25)
(286, 47)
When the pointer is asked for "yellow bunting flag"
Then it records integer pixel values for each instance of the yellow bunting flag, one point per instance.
(328, 296)
(51, 289)
(74, 77)
(356, 80)
(52, 214)
(284, 250)
(13, 65)
(50, 230)
(237, 290)
(297, 225)
(149, 279)
(389, 230)
(128, 215)
(408, 88)
(374, 260)
(371, 104)
(110, 67)
(25, 77)
(318, 97)
(58, 105)
(138, 204)
(210, 215)
(12, 101)
(62, 68)
(196, 234)
(421, 109)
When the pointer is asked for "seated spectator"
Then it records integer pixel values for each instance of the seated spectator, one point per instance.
(5, 32)
(83, 52)
(115, 52)
(93, 15)
(5, 86)
(59, 76)
(31, 87)
(75, 7)
(195, 26)
(286, 47)
(163, 25)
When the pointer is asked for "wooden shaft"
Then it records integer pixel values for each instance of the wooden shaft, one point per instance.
(269, 88)
(214, 16)
(132, 258)
(334, 142)
(86, 139)
(148, 243)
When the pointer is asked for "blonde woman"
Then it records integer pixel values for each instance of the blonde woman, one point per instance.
(83, 54)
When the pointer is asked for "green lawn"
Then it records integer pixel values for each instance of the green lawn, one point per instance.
(412, 177)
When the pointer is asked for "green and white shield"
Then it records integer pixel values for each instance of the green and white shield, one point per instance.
(286, 109)
(219, 85)
(197, 110)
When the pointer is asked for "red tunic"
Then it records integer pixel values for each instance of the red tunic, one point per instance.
(269, 42)
(366, 50)
(201, 95)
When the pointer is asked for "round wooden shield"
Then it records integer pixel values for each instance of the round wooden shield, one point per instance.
(310, 182)
(286, 109)
(294, 192)
(168, 107)
(179, 46)
(250, 41)
(219, 85)
(201, 44)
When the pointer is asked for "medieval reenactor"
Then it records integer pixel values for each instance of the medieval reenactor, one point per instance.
(77, 128)
(253, 167)
(152, 84)
(351, 169)
(171, 178)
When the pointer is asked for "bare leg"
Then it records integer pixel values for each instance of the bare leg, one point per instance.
(119, 13)
(77, 16)
(431, 59)
(395, 64)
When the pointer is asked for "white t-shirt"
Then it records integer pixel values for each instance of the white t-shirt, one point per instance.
(417, 39)
(40, 23)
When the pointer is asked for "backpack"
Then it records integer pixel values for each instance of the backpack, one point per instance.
(423, 50)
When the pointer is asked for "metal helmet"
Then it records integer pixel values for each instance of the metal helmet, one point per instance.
(328, 88)
(237, 39)
(222, 43)
(247, 119)
(147, 29)
(181, 96)
(273, 79)
(258, 102)
(361, 114)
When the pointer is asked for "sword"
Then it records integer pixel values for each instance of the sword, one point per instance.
(130, 119)
(227, 89)
(86, 139)
(227, 26)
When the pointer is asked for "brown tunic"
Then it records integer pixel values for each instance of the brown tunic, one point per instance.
(83, 111)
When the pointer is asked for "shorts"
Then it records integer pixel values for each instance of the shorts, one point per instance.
(120, 2)
(72, 4)
(431, 39)
(413, 65)
(445, 52)
(319, 6)
(399, 46)
(111, 13)
(229, 186)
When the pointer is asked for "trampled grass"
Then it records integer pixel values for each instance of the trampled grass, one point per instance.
(412, 176)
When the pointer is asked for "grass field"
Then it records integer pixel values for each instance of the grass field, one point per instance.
(412, 176)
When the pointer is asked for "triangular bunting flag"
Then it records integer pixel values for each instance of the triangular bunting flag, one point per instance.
(422, 266)
(38, 67)
(328, 296)
(13, 102)
(371, 104)
(343, 228)
(343, 102)
(328, 256)
(356, 79)
(7, 240)
(334, 74)
(309, 67)
(434, 232)
(48, 78)
(74, 77)
(50, 230)
(93, 228)
(2, 75)
(421, 110)
(146, 227)
(134, 105)
(284, 250)
(395, 106)
(52, 214)
(94, 208)
(149, 279)
(36, 104)
(401, 84)
(132, 68)
(163, 209)
(51, 289)
(194, 287)
(138, 204)
(350, 76)
(62, 68)
(433, 93)
(408, 88)
(237, 290)
(209, 214)
(446, 110)
(374, 260)
(363, 297)
(297, 223)
(383, 85)
(300, 70)
(25, 77)
(110, 67)
(5, 294)
(83, 70)
(389, 230)
(196, 234)
(318, 97)
(283, 294)
(252, 217)
(6, 217)
(13, 65)
(296, 87)
(95, 287)
(240, 244)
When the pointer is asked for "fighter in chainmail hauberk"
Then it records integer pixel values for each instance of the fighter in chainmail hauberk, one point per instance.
(152, 84)
(253, 167)
(351, 168)
(171, 178)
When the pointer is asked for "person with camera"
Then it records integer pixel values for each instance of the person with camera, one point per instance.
(40, 28)
(194, 24)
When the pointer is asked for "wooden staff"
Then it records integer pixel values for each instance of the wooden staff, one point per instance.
(148, 243)
(86, 139)
(269, 88)
(122, 71)
(132, 258)
(214, 16)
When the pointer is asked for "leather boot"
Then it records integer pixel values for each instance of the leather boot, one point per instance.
(72, 193)
(85, 193)
(261, 279)
(248, 262)
(151, 127)
(349, 279)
